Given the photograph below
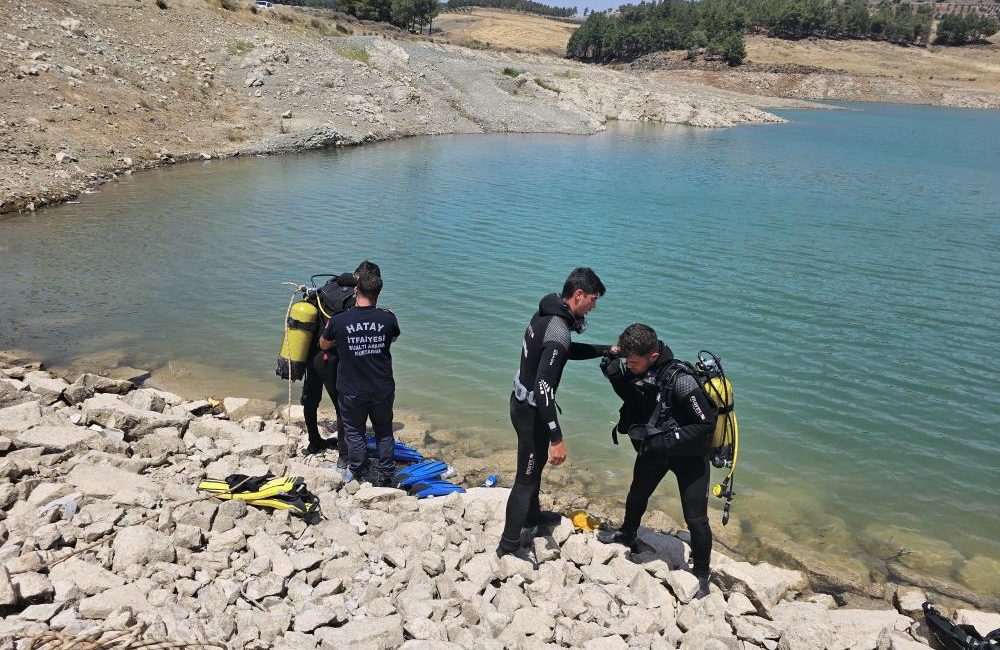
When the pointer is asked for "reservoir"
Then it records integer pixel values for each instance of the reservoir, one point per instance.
(844, 266)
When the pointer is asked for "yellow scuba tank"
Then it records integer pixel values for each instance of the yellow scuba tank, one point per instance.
(301, 327)
(725, 447)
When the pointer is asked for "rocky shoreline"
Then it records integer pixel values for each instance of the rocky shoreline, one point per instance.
(98, 90)
(382, 570)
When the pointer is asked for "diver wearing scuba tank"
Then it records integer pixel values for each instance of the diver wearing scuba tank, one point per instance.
(533, 411)
(332, 298)
(670, 421)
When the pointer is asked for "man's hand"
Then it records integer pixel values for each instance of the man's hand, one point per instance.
(611, 365)
(557, 453)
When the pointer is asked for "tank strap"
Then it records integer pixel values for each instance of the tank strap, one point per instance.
(299, 325)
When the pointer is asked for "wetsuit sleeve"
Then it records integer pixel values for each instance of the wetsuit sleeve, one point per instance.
(694, 413)
(550, 367)
(622, 386)
(584, 351)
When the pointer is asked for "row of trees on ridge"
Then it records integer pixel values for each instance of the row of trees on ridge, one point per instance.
(718, 26)
(517, 5)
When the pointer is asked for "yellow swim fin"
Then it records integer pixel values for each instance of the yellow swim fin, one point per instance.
(250, 488)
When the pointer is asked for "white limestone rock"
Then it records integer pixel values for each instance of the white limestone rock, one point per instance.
(684, 584)
(139, 545)
(89, 578)
(984, 622)
(54, 439)
(105, 481)
(763, 584)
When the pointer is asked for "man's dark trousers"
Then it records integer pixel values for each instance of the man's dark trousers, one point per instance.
(356, 410)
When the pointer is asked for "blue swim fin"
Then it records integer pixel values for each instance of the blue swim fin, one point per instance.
(434, 488)
(420, 473)
(401, 451)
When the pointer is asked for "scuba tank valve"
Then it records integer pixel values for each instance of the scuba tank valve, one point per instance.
(724, 490)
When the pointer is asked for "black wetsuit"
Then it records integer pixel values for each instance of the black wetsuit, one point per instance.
(321, 369)
(533, 412)
(689, 419)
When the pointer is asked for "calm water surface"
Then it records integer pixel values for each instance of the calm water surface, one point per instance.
(845, 267)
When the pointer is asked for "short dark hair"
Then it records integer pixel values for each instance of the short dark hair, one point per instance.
(369, 285)
(370, 268)
(583, 277)
(637, 339)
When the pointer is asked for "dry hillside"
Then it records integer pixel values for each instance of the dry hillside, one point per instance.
(95, 88)
(505, 30)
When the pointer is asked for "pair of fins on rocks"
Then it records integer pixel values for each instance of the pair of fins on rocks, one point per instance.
(424, 480)
(281, 493)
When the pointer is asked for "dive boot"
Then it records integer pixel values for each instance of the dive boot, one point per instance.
(623, 537)
(703, 586)
(506, 548)
(314, 448)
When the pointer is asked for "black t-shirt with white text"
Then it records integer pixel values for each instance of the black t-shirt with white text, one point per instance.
(363, 336)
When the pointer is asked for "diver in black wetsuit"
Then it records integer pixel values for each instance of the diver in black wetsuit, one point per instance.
(677, 439)
(545, 348)
(333, 297)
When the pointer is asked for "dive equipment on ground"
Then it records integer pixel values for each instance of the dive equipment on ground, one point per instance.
(299, 331)
(418, 473)
(281, 493)
(400, 451)
(434, 488)
(584, 521)
(953, 636)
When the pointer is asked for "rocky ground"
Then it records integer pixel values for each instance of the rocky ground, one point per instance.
(96, 88)
(381, 570)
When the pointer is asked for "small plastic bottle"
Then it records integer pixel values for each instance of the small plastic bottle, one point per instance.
(490, 481)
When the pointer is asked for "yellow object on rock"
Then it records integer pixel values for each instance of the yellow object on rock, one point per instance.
(584, 521)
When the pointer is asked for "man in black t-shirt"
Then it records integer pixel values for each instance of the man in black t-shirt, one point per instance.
(332, 298)
(362, 336)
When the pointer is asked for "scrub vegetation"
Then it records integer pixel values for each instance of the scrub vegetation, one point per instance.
(547, 86)
(239, 48)
(354, 54)
(718, 26)
(512, 72)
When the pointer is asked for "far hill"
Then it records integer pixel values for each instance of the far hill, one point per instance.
(813, 68)
(505, 30)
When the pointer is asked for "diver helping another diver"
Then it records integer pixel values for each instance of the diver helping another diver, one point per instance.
(677, 415)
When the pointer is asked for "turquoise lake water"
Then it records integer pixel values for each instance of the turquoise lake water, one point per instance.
(845, 267)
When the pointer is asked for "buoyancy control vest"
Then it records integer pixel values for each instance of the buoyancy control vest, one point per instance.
(723, 447)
